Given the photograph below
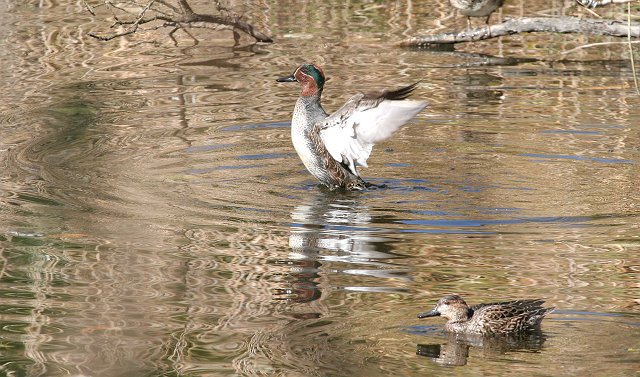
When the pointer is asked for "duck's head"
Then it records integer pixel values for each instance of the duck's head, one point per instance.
(452, 307)
(310, 76)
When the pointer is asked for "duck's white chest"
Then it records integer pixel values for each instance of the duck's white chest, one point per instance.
(301, 126)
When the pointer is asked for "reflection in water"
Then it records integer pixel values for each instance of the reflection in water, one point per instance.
(478, 89)
(334, 229)
(302, 279)
(456, 350)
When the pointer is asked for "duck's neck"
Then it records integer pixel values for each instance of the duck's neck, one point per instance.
(456, 326)
(461, 316)
(307, 112)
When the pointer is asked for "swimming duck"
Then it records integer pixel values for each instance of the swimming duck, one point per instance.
(476, 8)
(495, 318)
(332, 146)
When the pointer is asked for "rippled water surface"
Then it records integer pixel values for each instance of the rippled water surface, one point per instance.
(155, 219)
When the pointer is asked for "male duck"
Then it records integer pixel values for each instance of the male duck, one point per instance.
(331, 146)
(495, 318)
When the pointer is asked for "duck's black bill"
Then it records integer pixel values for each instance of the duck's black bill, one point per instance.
(290, 78)
(433, 313)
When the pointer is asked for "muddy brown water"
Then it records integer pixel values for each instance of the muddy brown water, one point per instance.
(156, 221)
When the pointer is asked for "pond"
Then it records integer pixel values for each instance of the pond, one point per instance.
(156, 220)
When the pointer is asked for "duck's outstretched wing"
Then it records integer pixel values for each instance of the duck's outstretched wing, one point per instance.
(366, 119)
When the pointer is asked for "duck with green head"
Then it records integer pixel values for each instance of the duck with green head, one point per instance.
(332, 146)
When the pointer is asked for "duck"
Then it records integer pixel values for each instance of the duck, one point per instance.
(476, 8)
(332, 147)
(508, 317)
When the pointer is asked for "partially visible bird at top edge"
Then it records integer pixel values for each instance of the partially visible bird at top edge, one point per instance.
(476, 8)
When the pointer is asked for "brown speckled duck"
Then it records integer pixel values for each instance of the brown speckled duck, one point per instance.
(495, 318)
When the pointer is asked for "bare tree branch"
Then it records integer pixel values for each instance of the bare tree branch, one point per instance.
(88, 8)
(528, 25)
(132, 29)
(185, 7)
(176, 15)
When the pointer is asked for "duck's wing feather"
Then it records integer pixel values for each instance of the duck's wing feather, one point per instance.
(366, 119)
(509, 305)
(511, 316)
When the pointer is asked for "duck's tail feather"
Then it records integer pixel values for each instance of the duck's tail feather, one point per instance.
(401, 93)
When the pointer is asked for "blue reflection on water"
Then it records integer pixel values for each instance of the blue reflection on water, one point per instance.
(577, 158)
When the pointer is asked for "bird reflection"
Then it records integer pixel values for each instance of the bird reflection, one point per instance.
(447, 354)
(332, 234)
(456, 350)
(479, 88)
(328, 221)
(302, 277)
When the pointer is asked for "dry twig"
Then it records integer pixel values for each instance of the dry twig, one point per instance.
(175, 15)
(88, 8)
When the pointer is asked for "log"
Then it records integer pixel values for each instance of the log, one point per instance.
(527, 25)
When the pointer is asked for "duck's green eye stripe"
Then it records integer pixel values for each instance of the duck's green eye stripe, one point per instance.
(317, 75)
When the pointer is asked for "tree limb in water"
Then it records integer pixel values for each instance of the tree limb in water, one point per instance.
(176, 14)
(528, 25)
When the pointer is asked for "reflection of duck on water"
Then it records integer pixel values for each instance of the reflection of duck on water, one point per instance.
(456, 350)
(331, 234)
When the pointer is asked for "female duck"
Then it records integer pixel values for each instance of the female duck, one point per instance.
(495, 318)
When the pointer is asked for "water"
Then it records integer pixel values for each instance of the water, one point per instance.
(156, 220)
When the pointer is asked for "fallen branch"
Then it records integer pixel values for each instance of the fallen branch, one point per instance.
(528, 25)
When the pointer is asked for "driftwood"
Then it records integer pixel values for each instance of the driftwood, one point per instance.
(173, 14)
(528, 25)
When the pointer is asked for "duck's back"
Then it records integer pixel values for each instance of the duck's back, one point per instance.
(508, 316)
